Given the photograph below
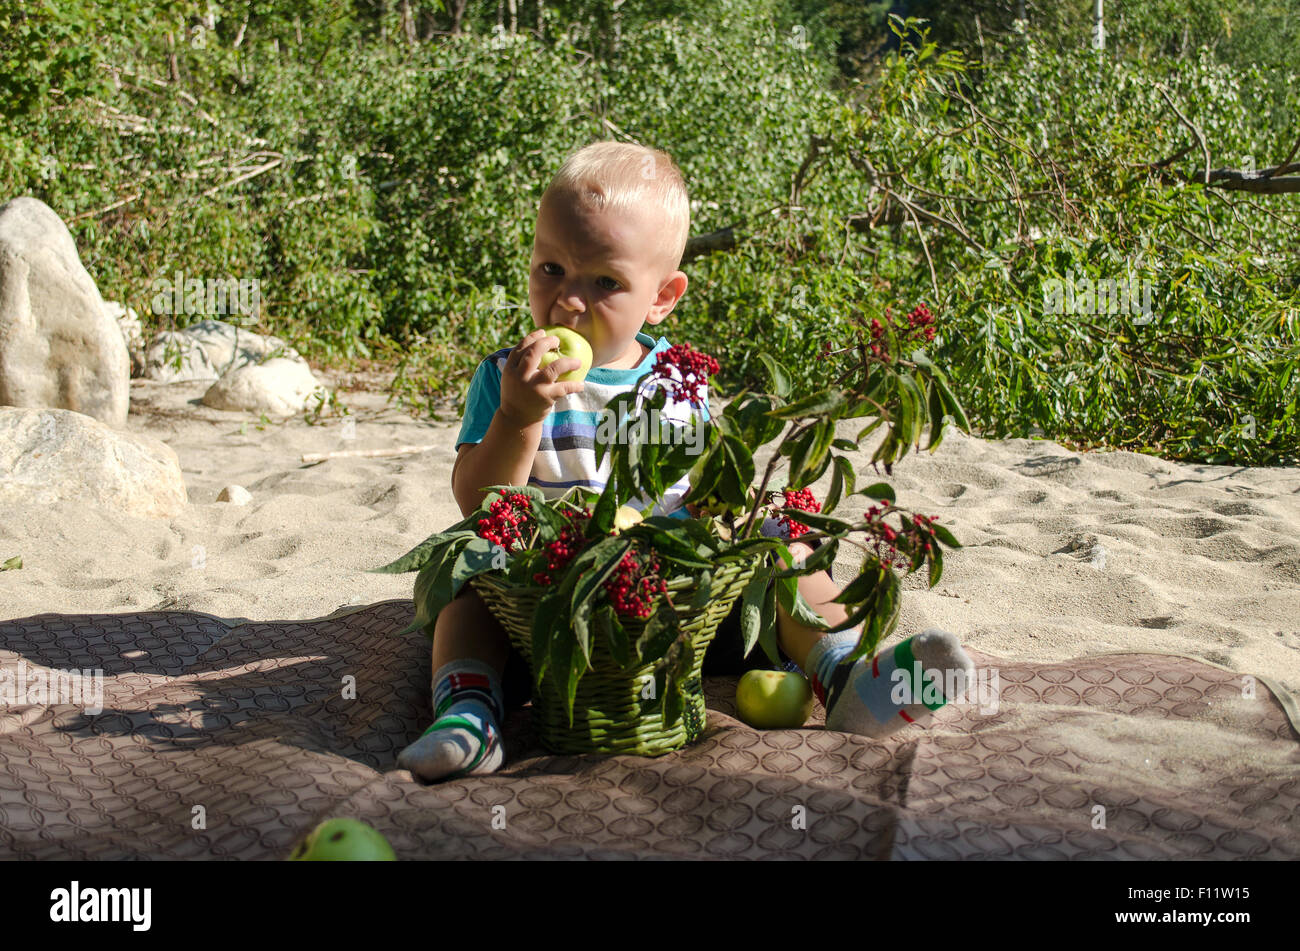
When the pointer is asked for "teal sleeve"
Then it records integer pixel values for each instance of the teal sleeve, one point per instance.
(481, 404)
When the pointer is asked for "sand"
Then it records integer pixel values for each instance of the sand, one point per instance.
(1066, 554)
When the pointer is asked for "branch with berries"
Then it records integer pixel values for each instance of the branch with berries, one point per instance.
(603, 584)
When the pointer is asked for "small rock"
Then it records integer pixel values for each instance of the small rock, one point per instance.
(235, 495)
(277, 387)
(208, 349)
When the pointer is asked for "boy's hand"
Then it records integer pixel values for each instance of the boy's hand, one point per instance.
(527, 393)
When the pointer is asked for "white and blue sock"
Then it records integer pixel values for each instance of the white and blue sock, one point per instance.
(465, 738)
(901, 685)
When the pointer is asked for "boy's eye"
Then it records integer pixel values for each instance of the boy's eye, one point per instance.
(613, 285)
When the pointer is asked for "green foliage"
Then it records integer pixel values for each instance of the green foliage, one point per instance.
(383, 192)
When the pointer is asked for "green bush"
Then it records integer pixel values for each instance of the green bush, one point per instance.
(384, 193)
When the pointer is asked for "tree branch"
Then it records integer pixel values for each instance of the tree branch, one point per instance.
(1195, 131)
(1261, 182)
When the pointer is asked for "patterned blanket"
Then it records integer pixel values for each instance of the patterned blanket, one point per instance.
(220, 739)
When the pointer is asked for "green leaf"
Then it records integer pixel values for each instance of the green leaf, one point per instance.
(816, 404)
(881, 620)
(605, 557)
(870, 428)
(807, 467)
(767, 626)
(752, 598)
(475, 558)
(936, 418)
(577, 663)
(534, 494)
(831, 524)
(433, 587)
(660, 631)
(677, 550)
(911, 432)
(843, 478)
(607, 625)
(419, 556)
(952, 405)
(797, 449)
(837, 487)
(781, 384)
(695, 528)
(880, 491)
(790, 598)
(859, 590)
(936, 565)
(740, 457)
(821, 558)
(618, 409)
(549, 520)
(945, 536)
(543, 623)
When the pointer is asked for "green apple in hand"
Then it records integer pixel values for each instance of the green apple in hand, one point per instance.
(343, 840)
(774, 699)
(572, 344)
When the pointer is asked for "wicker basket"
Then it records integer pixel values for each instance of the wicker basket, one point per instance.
(607, 712)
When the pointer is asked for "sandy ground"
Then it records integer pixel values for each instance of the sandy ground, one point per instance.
(1066, 554)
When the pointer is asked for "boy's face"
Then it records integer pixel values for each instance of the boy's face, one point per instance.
(602, 275)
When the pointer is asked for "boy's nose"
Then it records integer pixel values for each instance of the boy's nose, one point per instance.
(572, 300)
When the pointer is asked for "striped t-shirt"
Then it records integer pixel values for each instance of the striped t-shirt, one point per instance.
(566, 456)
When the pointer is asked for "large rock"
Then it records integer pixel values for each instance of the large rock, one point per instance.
(208, 349)
(54, 455)
(59, 348)
(278, 387)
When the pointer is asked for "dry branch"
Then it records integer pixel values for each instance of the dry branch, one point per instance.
(364, 453)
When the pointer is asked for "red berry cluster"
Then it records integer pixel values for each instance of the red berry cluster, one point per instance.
(634, 586)
(801, 499)
(694, 367)
(563, 550)
(919, 329)
(507, 517)
(921, 322)
(887, 537)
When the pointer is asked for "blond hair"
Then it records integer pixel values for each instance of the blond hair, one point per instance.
(618, 176)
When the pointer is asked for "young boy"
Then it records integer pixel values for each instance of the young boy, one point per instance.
(611, 230)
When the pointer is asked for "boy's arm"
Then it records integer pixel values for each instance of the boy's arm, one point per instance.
(504, 457)
(527, 392)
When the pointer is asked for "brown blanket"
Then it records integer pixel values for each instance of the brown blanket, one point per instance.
(231, 741)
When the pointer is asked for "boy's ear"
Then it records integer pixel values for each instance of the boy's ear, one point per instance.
(670, 292)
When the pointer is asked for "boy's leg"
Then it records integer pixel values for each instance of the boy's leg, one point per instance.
(470, 651)
(861, 698)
